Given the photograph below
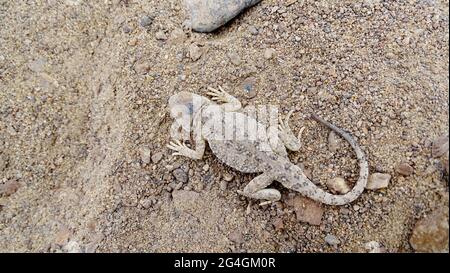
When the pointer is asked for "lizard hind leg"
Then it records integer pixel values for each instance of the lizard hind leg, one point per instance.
(256, 189)
(291, 142)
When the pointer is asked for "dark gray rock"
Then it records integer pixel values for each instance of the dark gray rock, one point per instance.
(180, 175)
(209, 15)
(145, 21)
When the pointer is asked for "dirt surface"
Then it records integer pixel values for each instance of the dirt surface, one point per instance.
(84, 87)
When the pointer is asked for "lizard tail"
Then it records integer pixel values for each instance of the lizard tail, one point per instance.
(330, 199)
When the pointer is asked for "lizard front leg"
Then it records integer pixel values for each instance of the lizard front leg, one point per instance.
(230, 103)
(287, 136)
(275, 141)
(183, 150)
(256, 189)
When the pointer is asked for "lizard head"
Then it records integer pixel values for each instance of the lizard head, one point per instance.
(183, 107)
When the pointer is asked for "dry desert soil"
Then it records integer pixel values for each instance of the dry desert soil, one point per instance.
(84, 124)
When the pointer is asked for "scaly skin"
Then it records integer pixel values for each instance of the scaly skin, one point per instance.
(264, 155)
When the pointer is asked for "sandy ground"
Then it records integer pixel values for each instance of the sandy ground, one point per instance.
(84, 87)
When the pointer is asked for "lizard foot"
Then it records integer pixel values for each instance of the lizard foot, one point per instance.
(270, 195)
(183, 150)
(179, 148)
(219, 95)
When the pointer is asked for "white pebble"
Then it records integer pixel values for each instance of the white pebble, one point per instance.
(378, 181)
(338, 185)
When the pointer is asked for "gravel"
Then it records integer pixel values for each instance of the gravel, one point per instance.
(72, 128)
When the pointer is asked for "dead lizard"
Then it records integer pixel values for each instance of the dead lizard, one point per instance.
(264, 155)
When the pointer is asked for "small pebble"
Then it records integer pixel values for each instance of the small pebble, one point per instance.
(178, 186)
(62, 236)
(345, 211)
(444, 163)
(37, 65)
(161, 35)
(177, 35)
(374, 247)
(290, 2)
(268, 53)
(278, 224)
(440, 146)
(180, 175)
(72, 247)
(236, 236)
(404, 169)
(133, 42)
(234, 58)
(332, 142)
(253, 30)
(145, 155)
(332, 240)
(126, 29)
(223, 185)
(228, 177)
(157, 157)
(378, 181)
(142, 68)
(194, 52)
(146, 202)
(338, 185)
(145, 21)
(3, 162)
(9, 187)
